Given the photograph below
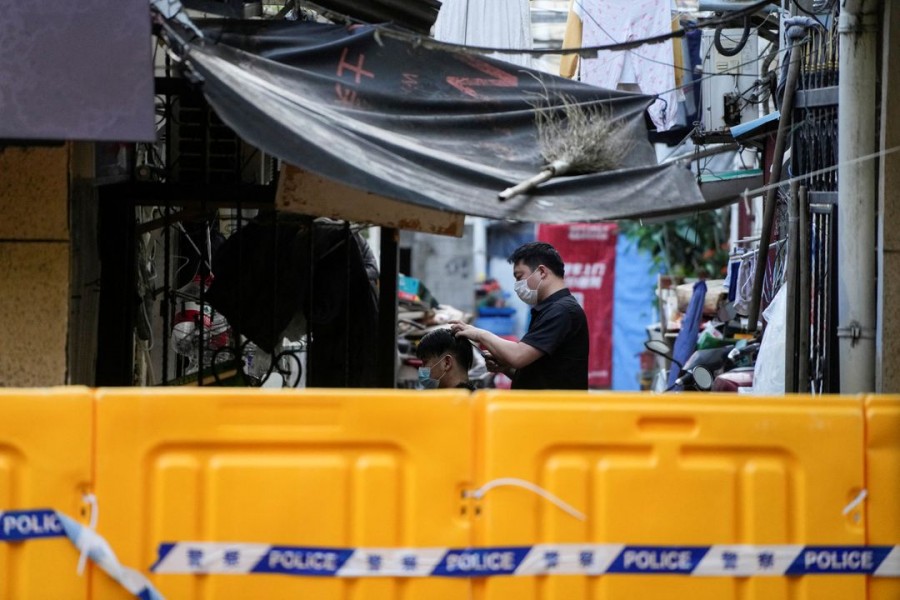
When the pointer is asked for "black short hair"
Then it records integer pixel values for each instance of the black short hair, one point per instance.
(439, 342)
(535, 254)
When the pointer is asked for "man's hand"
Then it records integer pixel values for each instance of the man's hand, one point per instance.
(505, 353)
(465, 330)
(495, 366)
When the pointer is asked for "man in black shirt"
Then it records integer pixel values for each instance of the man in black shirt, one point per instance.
(554, 352)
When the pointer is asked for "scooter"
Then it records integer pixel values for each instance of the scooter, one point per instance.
(710, 369)
(738, 372)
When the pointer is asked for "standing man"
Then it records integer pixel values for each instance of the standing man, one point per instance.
(553, 355)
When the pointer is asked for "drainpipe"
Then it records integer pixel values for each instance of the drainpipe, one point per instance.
(858, 29)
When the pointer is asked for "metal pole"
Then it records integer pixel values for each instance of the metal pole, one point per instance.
(804, 292)
(348, 242)
(858, 30)
(387, 308)
(784, 123)
(790, 353)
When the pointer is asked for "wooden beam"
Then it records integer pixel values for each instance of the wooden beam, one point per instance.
(310, 194)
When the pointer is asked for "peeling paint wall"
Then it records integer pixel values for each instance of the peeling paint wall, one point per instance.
(34, 265)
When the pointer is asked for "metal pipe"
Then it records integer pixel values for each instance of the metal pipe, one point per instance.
(787, 108)
(706, 152)
(167, 296)
(804, 292)
(791, 314)
(309, 301)
(349, 243)
(858, 29)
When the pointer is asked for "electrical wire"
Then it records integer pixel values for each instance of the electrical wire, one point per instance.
(801, 178)
(704, 76)
(586, 51)
(418, 40)
(711, 75)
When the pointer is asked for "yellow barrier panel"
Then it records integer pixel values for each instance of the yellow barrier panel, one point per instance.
(673, 469)
(338, 468)
(45, 462)
(883, 483)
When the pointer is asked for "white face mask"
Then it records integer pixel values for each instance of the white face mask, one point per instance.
(425, 380)
(525, 293)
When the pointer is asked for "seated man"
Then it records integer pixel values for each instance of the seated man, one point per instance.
(446, 360)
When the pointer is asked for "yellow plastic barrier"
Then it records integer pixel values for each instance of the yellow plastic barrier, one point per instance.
(45, 462)
(318, 468)
(883, 483)
(672, 470)
(393, 469)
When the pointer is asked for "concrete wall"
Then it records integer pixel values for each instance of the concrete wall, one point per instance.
(34, 265)
(446, 266)
(887, 371)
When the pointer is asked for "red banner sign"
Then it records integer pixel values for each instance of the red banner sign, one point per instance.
(589, 253)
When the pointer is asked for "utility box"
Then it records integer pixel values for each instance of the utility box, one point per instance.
(728, 80)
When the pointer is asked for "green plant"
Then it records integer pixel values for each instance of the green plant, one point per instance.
(694, 246)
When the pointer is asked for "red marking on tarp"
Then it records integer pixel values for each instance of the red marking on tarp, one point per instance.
(467, 85)
(346, 95)
(357, 68)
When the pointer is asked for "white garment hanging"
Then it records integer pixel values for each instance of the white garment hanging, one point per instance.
(493, 23)
(615, 21)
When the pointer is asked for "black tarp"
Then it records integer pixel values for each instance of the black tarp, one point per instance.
(432, 127)
(262, 281)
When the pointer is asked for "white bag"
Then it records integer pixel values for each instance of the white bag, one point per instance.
(768, 373)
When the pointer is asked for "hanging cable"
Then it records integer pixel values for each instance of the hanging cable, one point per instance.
(586, 51)
(734, 51)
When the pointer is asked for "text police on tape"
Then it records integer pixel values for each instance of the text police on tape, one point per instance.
(477, 561)
(473, 563)
(302, 561)
(846, 560)
(657, 560)
(817, 559)
(22, 525)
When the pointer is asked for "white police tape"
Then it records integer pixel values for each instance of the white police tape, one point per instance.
(543, 559)
(21, 525)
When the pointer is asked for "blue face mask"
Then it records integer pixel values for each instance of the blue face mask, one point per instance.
(425, 380)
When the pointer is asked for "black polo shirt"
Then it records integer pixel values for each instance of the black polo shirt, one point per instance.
(558, 329)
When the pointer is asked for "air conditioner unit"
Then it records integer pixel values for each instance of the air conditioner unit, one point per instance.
(204, 149)
(727, 78)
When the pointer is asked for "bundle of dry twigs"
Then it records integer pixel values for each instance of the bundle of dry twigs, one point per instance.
(575, 138)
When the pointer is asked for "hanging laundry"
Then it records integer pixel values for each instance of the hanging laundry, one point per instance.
(568, 64)
(648, 69)
(744, 285)
(493, 23)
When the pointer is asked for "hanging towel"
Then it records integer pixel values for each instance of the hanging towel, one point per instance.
(568, 64)
(493, 23)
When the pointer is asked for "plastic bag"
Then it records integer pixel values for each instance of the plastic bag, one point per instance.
(768, 373)
(710, 337)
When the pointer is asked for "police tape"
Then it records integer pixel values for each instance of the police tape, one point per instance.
(22, 525)
(737, 560)
(542, 559)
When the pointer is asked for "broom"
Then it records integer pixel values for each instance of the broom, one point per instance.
(576, 140)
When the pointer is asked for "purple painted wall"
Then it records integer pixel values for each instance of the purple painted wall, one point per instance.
(76, 70)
